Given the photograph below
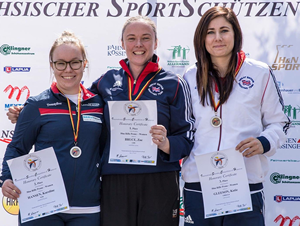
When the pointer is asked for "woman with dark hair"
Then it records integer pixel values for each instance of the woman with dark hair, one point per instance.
(236, 103)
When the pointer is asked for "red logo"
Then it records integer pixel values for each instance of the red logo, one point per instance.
(20, 91)
(285, 219)
(7, 69)
(278, 198)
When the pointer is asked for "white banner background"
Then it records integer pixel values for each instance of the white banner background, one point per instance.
(271, 34)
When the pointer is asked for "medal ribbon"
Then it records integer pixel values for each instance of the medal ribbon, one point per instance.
(240, 63)
(75, 132)
(142, 90)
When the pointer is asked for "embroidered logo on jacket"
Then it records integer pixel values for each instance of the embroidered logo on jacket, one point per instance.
(156, 89)
(246, 82)
(117, 86)
(90, 118)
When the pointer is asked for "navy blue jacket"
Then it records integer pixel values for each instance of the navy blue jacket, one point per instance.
(45, 122)
(174, 112)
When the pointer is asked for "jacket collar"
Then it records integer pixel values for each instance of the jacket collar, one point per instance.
(86, 93)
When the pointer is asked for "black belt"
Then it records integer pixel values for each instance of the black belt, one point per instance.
(197, 186)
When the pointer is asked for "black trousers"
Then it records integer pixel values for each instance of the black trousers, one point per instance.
(140, 199)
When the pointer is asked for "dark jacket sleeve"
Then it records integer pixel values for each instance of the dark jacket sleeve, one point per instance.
(181, 134)
(25, 134)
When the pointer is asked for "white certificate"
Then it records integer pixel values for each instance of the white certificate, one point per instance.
(38, 177)
(130, 140)
(224, 183)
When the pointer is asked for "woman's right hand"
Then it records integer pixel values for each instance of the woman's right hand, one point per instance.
(9, 190)
(13, 113)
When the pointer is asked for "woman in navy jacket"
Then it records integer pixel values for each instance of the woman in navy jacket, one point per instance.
(46, 121)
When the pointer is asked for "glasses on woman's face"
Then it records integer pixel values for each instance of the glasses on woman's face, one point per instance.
(61, 65)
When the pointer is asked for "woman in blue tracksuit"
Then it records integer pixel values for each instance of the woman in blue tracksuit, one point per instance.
(142, 194)
(46, 121)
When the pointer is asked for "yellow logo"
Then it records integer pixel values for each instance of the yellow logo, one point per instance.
(10, 205)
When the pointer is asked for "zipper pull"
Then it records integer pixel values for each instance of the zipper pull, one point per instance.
(134, 82)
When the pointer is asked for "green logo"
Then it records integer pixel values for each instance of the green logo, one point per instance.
(4, 49)
(7, 50)
(277, 178)
(179, 56)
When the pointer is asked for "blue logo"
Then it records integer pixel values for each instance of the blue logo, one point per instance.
(9, 69)
(246, 82)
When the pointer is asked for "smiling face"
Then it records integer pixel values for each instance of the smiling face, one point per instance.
(219, 40)
(139, 42)
(68, 80)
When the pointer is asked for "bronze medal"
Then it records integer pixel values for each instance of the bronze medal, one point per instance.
(216, 121)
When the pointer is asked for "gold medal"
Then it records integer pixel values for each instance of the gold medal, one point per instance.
(216, 121)
(75, 152)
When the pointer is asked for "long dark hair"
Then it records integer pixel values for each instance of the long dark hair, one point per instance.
(207, 73)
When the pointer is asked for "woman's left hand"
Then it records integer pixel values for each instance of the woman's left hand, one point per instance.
(159, 137)
(250, 147)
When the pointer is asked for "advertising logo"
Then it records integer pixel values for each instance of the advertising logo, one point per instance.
(293, 113)
(11, 206)
(13, 50)
(283, 220)
(291, 143)
(179, 56)
(181, 207)
(277, 178)
(283, 89)
(6, 136)
(283, 60)
(115, 50)
(9, 69)
(280, 198)
(14, 89)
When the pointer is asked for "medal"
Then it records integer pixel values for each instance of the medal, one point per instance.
(75, 152)
(216, 121)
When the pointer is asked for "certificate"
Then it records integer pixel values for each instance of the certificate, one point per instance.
(130, 140)
(224, 183)
(38, 177)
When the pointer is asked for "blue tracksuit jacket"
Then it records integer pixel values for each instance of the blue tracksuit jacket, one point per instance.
(45, 122)
(174, 112)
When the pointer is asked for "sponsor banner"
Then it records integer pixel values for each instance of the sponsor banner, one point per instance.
(169, 9)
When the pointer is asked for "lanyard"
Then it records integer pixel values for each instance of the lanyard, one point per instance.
(142, 90)
(214, 97)
(75, 132)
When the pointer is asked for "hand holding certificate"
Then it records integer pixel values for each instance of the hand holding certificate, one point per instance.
(38, 177)
(131, 142)
(224, 183)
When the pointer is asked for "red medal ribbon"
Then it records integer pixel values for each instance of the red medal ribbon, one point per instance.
(241, 59)
(75, 132)
(142, 90)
